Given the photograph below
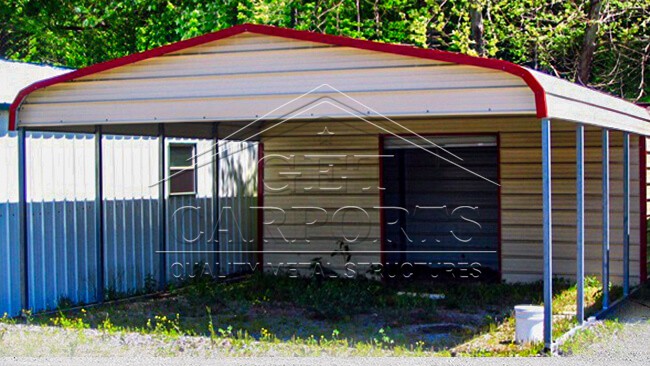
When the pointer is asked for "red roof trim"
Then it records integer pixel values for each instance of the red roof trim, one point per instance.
(519, 71)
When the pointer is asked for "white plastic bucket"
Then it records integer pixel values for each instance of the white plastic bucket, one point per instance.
(529, 323)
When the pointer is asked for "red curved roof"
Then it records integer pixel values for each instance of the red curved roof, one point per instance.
(519, 71)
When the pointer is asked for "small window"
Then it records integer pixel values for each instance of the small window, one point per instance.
(182, 169)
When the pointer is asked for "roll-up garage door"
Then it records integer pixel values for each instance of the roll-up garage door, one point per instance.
(441, 202)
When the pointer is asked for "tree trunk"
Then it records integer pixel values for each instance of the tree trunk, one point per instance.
(589, 42)
(476, 18)
(358, 17)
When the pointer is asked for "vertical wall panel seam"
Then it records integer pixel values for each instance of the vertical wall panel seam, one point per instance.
(22, 199)
(123, 272)
(75, 227)
(42, 227)
(85, 246)
(162, 209)
(215, 244)
(64, 221)
(606, 216)
(260, 203)
(643, 214)
(99, 213)
(142, 195)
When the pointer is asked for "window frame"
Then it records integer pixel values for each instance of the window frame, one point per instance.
(175, 169)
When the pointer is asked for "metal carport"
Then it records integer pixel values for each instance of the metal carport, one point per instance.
(57, 105)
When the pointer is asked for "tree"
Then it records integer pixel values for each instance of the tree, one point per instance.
(476, 17)
(602, 44)
(589, 42)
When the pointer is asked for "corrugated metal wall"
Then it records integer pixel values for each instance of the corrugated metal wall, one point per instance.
(62, 249)
(131, 219)
(9, 250)
(237, 196)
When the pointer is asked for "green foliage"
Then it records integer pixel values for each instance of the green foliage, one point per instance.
(27, 315)
(5, 319)
(542, 34)
(107, 326)
(383, 339)
(162, 325)
(77, 323)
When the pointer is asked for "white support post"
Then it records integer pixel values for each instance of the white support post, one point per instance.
(605, 196)
(580, 222)
(547, 233)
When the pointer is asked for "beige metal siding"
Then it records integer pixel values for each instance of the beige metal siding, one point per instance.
(249, 76)
(521, 178)
(298, 147)
(521, 215)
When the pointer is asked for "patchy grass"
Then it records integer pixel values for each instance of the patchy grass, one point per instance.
(271, 315)
(586, 337)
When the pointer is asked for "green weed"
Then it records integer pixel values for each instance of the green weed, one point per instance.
(70, 323)
(583, 338)
(162, 325)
